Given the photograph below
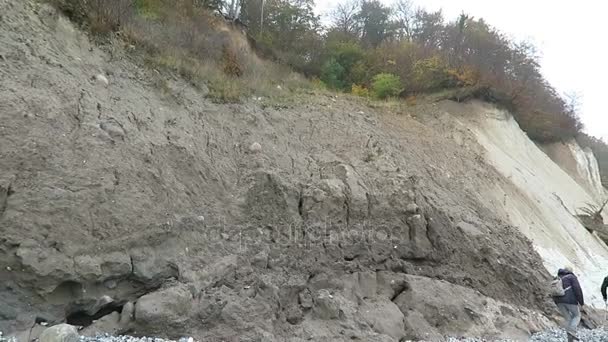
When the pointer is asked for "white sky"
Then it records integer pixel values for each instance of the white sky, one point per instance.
(571, 37)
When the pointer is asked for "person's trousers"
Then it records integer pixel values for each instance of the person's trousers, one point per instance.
(572, 315)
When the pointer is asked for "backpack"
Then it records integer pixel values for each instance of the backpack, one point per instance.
(556, 288)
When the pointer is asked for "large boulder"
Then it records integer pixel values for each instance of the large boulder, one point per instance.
(170, 306)
(454, 310)
(384, 317)
(60, 333)
(49, 266)
(150, 268)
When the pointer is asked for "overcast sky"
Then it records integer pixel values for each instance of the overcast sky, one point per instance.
(571, 37)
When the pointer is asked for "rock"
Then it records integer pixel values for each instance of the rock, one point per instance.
(469, 228)
(49, 265)
(110, 284)
(127, 314)
(255, 148)
(449, 308)
(260, 260)
(384, 317)
(148, 267)
(419, 329)
(31, 334)
(323, 281)
(293, 315)
(60, 333)
(113, 128)
(357, 191)
(88, 267)
(325, 200)
(305, 299)
(92, 305)
(420, 243)
(367, 284)
(270, 198)
(390, 284)
(222, 271)
(241, 314)
(411, 209)
(108, 324)
(325, 306)
(102, 80)
(115, 264)
(170, 306)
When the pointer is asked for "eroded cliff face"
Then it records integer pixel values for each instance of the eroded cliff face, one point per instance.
(542, 198)
(580, 164)
(307, 216)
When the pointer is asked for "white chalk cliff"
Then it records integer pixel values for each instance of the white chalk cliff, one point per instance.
(544, 195)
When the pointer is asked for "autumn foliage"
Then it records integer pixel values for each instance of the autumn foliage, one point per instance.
(369, 49)
(424, 51)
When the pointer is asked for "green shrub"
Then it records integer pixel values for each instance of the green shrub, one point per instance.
(150, 9)
(332, 74)
(386, 85)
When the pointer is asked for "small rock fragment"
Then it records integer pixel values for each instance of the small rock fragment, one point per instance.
(101, 79)
(255, 148)
(305, 299)
(126, 315)
(411, 208)
(325, 306)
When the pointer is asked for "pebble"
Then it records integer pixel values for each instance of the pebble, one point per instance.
(121, 338)
(7, 339)
(109, 338)
(551, 335)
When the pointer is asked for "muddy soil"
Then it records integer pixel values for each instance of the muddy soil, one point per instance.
(308, 216)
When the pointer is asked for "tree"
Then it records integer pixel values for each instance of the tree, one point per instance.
(428, 28)
(573, 102)
(344, 18)
(291, 29)
(405, 14)
(374, 21)
(345, 66)
(251, 14)
(213, 5)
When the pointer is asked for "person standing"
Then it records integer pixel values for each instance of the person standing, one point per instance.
(603, 289)
(568, 304)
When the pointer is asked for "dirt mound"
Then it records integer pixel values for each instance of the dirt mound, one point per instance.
(258, 220)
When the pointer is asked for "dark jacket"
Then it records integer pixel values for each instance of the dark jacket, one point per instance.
(574, 295)
(604, 286)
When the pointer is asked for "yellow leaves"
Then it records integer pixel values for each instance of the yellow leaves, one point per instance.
(464, 76)
(359, 90)
(431, 74)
